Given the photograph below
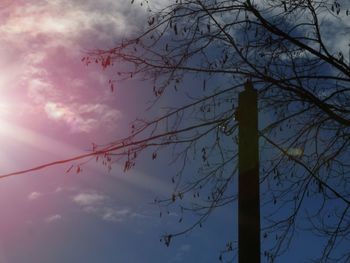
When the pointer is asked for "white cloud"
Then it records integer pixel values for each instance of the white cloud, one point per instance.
(101, 206)
(53, 218)
(67, 22)
(89, 199)
(39, 89)
(76, 122)
(34, 195)
(295, 152)
(83, 117)
(115, 215)
(56, 111)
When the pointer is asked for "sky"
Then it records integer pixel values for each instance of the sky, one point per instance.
(53, 106)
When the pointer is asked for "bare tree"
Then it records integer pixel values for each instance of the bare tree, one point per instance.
(202, 52)
(286, 49)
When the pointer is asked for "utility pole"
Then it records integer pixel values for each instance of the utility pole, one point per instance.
(248, 179)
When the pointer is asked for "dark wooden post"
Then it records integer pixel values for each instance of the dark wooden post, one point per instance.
(248, 179)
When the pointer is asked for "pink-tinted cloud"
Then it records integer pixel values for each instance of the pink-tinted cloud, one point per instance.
(41, 47)
(83, 117)
(53, 218)
(34, 195)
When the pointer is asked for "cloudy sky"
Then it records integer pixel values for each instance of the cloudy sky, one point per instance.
(53, 106)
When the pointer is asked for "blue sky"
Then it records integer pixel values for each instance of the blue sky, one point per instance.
(96, 217)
